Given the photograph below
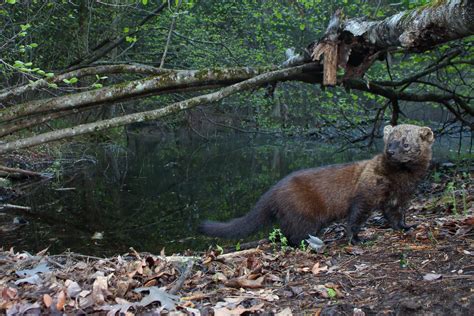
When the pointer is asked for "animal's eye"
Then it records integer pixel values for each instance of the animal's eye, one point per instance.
(406, 146)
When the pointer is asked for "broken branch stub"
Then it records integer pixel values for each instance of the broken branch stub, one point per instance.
(328, 47)
(354, 44)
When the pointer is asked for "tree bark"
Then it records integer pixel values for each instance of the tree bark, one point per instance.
(277, 75)
(169, 81)
(360, 42)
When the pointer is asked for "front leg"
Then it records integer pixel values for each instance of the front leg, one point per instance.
(396, 218)
(359, 211)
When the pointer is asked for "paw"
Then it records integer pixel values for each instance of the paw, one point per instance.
(406, 227)
(354, 240)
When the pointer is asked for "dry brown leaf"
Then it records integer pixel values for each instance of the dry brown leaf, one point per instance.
(237, 311)
(219, 276)
(9, 293)
(245, 283)
(61, 301)
(98, 289)
(316, 269)
(285, 312)
(73, 289)
(47, 300)
(273, 278)
(42, 252)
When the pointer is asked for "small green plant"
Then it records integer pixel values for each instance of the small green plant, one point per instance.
(237, 246)
(275, 236)
(219, 249)
(303, 246)
(403, 260)
(331, 293)
(437, 176)
(431, 237)
(451, 189)
(464, 189)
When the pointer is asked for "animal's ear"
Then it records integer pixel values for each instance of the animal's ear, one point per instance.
(427, 134)
(386, 131)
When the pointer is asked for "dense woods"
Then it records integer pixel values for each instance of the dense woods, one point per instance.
(71, 69)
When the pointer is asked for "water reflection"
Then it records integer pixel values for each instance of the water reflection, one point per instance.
(154, 193)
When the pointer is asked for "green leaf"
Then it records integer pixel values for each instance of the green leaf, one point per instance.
(97, 85)
(40, 72)
(11, 1)
(302, 26)
(33, 45)
(49, 74)
(145, 2)
(53, 85)
(24, 27)
(22, 34)
(29, 64)
(66, 81)
(331, 292)
(219, 249)
(73, 80)
(126, 29)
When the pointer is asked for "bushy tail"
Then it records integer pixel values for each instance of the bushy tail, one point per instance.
(260, 216)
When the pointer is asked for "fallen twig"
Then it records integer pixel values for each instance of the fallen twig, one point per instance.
(186, 274)
(28, 173)
(15, 207)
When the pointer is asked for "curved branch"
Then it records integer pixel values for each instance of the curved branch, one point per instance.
(423, 73)
(251, 83)
(171, 80)
(7, 94)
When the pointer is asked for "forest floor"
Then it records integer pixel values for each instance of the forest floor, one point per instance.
(428, 270)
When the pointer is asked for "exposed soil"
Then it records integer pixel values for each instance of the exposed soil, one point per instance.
(426, 271)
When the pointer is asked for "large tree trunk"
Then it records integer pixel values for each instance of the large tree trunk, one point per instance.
(356, 43)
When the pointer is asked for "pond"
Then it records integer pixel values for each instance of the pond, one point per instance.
(153, 193)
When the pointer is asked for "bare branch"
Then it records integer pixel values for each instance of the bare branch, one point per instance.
(251, 83)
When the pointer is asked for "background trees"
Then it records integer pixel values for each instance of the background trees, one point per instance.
(65, 65)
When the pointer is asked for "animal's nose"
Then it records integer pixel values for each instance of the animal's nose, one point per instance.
(390, 152)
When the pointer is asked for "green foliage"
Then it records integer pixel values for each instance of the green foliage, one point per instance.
(303, 246)
(457, 190)
(276, 236)
(437, 177)
(451, 192)
(46, 36)
(403, 260)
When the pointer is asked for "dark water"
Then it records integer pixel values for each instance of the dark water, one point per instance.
(152, 193)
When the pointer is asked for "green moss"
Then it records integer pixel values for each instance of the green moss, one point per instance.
(432, 4)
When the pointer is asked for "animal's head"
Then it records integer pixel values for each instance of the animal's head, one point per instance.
(406, 143)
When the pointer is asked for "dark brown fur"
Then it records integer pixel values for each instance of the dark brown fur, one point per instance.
(308, 200)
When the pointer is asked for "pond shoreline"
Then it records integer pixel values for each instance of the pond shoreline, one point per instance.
(407, 270)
